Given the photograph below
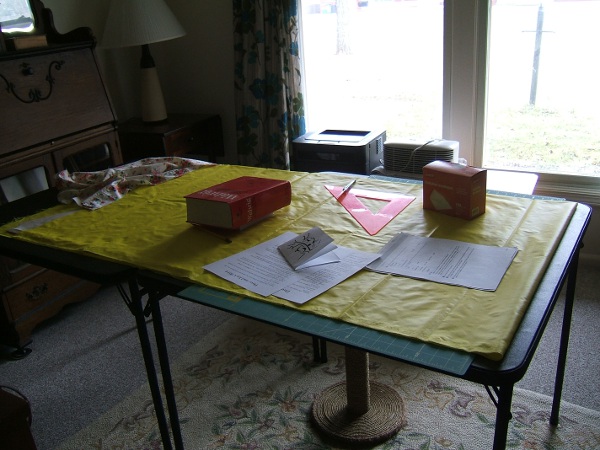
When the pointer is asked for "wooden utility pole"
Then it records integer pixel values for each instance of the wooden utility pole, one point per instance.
(345, 10)
(536, 55)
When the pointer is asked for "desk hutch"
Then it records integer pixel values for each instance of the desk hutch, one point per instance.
(55, 114)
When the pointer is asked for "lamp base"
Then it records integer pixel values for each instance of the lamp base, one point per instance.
(153, 102)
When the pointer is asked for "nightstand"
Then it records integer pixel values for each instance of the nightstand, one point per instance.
(185, 135)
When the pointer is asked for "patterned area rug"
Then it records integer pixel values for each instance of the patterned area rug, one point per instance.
(250, 386)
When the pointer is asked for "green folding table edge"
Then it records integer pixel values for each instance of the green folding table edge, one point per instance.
(431, 356)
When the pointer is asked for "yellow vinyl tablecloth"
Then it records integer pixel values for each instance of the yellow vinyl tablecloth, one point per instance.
(147, 229)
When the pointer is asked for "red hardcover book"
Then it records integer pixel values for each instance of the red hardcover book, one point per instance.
(238, 203)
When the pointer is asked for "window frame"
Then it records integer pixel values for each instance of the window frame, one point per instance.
(466, 45)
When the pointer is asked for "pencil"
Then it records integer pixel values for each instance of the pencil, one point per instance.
(347, 187)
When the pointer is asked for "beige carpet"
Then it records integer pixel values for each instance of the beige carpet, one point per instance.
(250, 386)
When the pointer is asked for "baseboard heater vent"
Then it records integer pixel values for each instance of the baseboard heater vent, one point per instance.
(407, 158)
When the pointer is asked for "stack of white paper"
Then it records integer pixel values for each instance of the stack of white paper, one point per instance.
(264, 270)
(445, 261)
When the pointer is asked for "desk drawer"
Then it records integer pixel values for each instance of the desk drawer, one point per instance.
(182, 141)
(34, 293)
(13, 271)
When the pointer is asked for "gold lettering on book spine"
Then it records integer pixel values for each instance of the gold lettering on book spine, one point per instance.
(219, 194)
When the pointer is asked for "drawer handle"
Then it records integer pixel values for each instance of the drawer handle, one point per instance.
(27, 70)
(37, 292)
(34, 94)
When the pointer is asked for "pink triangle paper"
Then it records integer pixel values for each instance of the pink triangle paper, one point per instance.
(372, 223)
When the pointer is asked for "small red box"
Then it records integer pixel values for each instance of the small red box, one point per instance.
(454, 189)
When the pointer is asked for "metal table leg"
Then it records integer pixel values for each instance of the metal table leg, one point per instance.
(564, 340)
(163, 357)
(503, 415)
(137, 309)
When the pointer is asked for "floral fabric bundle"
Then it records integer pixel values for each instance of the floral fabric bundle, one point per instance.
(93, 190)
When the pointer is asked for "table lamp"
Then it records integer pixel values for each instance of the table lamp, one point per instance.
(143, 22)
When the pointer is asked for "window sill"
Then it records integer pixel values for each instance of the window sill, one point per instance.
(574, 188)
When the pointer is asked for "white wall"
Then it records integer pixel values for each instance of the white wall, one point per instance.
(196, 71)
(591, 249)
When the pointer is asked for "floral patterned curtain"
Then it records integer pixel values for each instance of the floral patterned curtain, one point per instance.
(268, 96)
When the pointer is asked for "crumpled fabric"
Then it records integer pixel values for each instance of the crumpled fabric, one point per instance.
(93, 190)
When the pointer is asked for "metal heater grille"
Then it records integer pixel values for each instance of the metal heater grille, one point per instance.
(411, 157)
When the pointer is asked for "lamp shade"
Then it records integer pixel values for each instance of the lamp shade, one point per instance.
(139, 22)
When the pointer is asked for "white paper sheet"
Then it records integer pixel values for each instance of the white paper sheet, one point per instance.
(31, 224)
(317, 279)
(445, 261)
(263, 270)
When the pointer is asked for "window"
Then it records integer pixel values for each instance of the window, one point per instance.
(420, 70)
(16, 16)
(371, 74)
(544, 93)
